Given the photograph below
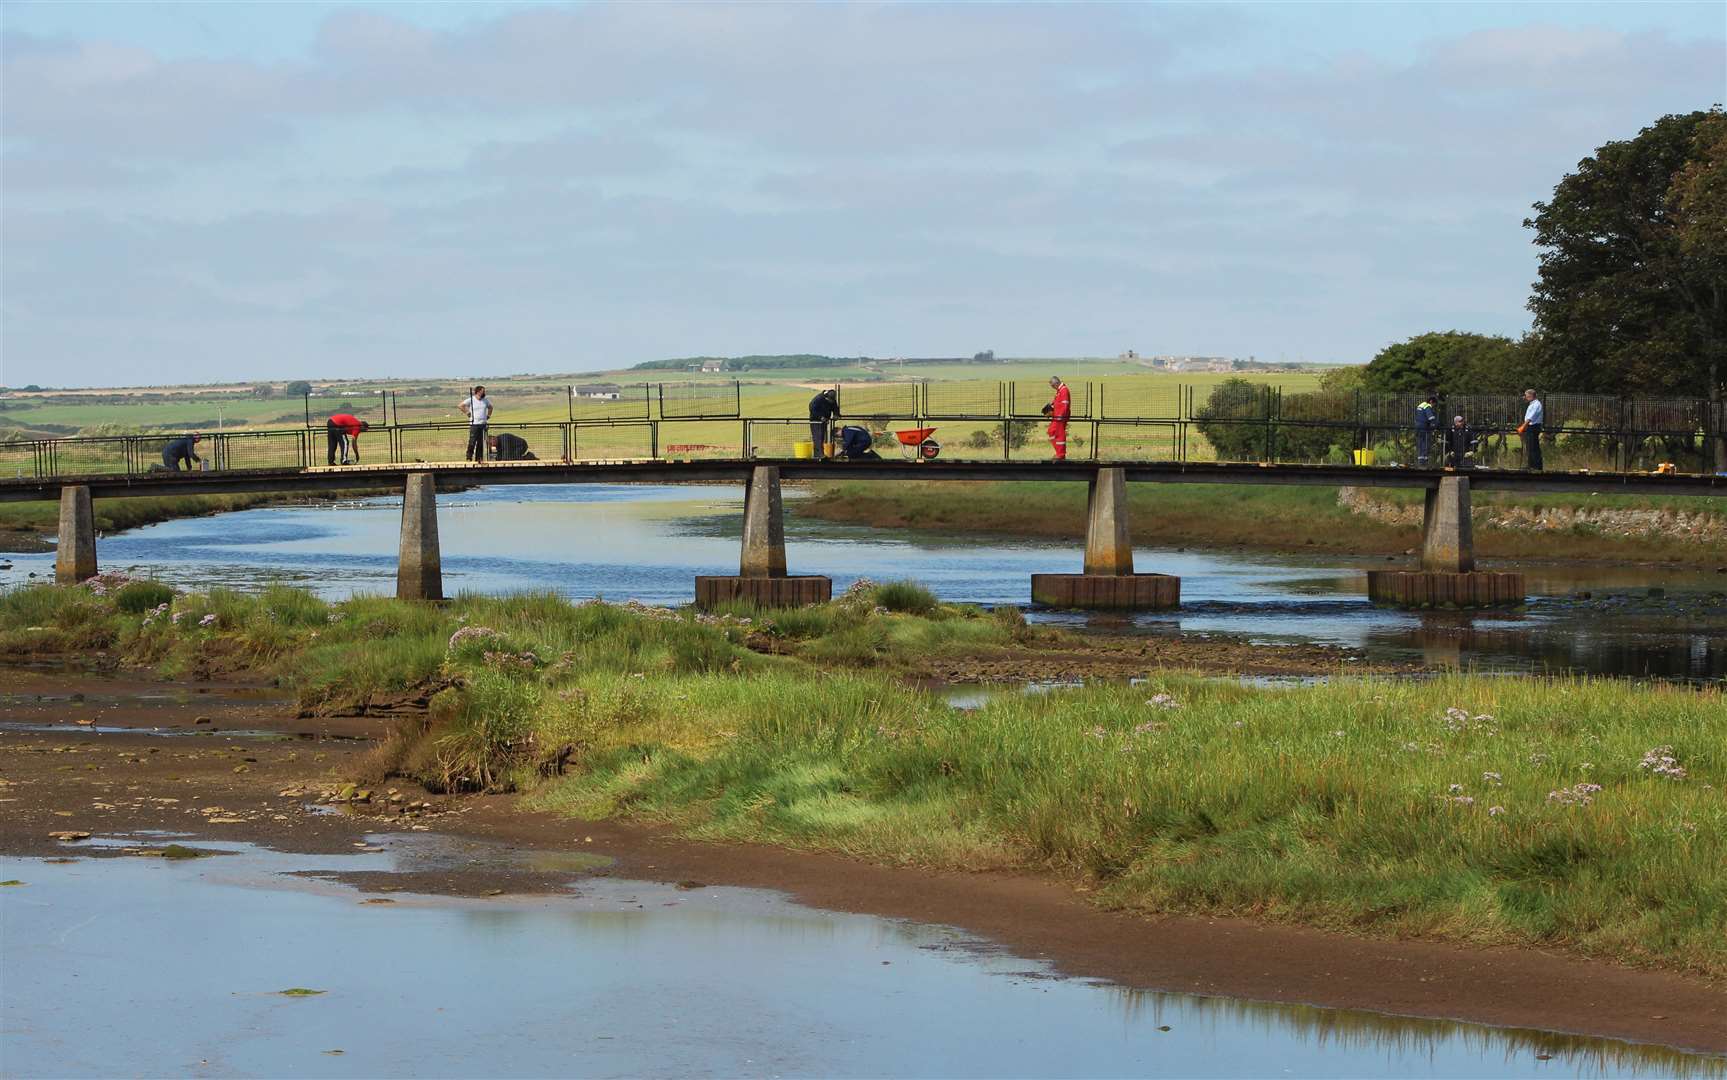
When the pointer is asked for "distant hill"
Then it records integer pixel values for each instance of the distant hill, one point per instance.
(751, 363)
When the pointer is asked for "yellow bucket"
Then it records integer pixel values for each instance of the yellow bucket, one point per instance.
(1364, 457)
(805, 449)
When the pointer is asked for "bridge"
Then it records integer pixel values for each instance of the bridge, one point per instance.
(1121, 432)
(1446, 574)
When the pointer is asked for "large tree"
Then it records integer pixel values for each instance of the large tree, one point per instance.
(1634, 248)
(1450, 361)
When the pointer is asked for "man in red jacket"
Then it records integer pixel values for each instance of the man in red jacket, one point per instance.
(1058, 411)
(337, 435)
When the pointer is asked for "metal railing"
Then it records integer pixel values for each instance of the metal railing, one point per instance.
(977, 420)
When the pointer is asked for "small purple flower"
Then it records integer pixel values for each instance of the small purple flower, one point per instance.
(1661, 762)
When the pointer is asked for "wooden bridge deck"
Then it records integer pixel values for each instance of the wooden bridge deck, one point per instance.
(673, 471)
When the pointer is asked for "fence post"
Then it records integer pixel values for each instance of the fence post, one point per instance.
(1270, 424)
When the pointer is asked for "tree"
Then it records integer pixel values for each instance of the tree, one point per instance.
(1235, 399)
(263, 390)
(1630, 295)
(297, 388)
(1452, 362)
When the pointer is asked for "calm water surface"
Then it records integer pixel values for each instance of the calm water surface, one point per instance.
(648, 542)
(127, 966)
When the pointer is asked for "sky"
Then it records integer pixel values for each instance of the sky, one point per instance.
(272, 191)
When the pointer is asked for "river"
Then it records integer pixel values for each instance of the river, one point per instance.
(154, 967)
(648, 543)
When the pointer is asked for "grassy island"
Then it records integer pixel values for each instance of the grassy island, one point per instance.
(1587, 815)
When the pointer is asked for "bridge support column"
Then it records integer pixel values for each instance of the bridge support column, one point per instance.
(1447, 577)
(75, 555)
(1108, 581)
(1447, 539)
(762, 579)
(420, 568)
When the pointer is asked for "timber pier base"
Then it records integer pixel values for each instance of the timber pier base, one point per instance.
(1107, 592)
(767, 592)
(1435, 589)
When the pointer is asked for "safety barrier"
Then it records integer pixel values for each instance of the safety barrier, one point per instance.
(978, 420)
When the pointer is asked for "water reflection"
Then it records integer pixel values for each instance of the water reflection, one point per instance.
(648, 542)
(181, 962)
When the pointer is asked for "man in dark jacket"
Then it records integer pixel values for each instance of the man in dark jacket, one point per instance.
(1459, 443)
(507, 447)
(856, 444)
(1426, 423)
(824, 409)
(183, 449)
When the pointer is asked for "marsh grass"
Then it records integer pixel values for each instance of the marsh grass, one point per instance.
(1269, 517)
(1330, 806)
(1486, 810)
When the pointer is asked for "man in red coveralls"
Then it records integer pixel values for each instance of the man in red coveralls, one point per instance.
(1058, 411)
(341, 428)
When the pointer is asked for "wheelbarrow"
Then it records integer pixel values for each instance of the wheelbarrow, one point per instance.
(917, 445)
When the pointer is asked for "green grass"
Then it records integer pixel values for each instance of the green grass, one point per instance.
(1446, 809)
(1329, 806)
(1274, 518)
(115, 515)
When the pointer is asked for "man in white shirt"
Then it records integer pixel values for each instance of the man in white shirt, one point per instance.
(1530, 429)
(479, 410)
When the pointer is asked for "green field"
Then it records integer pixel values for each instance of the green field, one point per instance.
(524, 399)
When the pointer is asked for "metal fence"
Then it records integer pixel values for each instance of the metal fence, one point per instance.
(977, 420)
(700, 400)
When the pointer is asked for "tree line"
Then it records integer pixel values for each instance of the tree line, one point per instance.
(1631, 294)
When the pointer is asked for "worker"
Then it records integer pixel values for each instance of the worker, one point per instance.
(478, 408)
(824, 409)
(1058, 410)
(1459, 443)
(1530, 429)
(507, 447)
(342, 435)
(183, 449)
(1426, 423)
(857, 444)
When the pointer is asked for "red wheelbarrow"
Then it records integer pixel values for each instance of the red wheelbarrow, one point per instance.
(917, 445)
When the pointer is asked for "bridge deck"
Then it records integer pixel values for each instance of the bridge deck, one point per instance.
(640, 471)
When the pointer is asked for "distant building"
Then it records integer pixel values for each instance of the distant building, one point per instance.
(711, 366)
(598, 391)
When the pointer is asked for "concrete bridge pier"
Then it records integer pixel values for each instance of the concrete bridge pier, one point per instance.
(1447, 577)
(762, 579)
(75, 555)
(420, 568)
(1108, 581)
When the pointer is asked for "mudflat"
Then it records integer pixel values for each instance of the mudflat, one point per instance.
(233, 761)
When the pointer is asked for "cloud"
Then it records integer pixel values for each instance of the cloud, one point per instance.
(621, 182)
